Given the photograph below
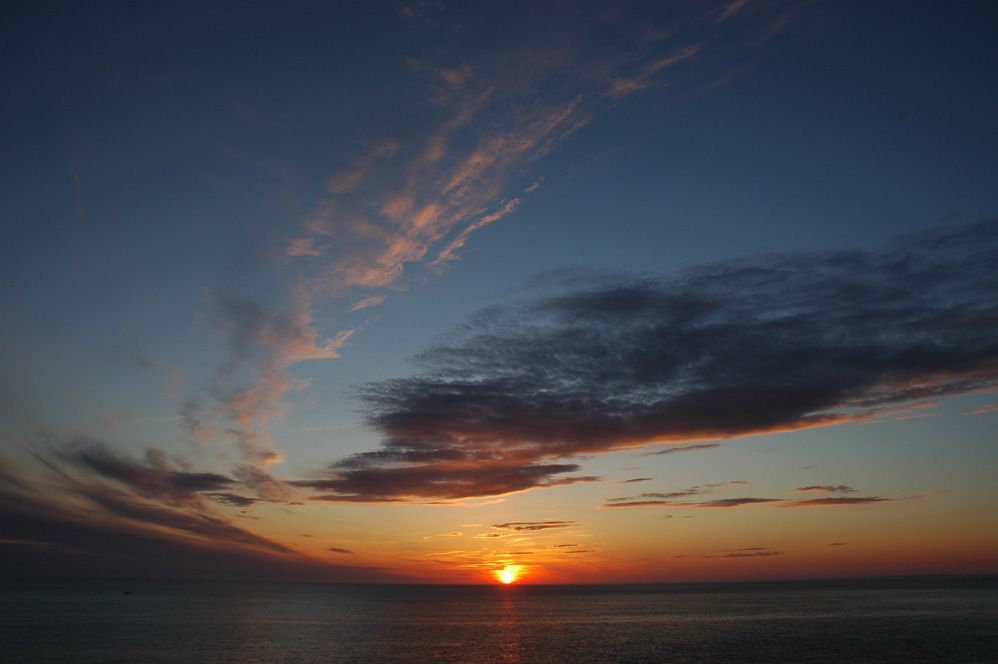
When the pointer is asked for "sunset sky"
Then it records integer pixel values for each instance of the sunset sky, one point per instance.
(419, 290)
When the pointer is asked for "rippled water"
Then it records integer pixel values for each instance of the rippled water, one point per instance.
(162, 621)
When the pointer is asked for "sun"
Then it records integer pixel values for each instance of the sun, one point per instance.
(508, 574)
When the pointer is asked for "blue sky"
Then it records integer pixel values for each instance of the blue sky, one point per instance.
(246, 241)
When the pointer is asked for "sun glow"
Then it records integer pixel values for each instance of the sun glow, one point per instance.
(508, 574)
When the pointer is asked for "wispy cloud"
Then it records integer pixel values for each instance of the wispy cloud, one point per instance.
(735, 502)
(706, 489)
(753, 552)
(708, 504)
(741, 502)
(91, 510)
(74, 524)
(828, 488)
(234, 500)
(685, 448)
(372, 301)
(623, 87)
(449, 252)
(764, 345)
(144, 495)
(153, 479)
(841, 500)
(252, 384)
(676, 498)
(338, 550)
(532, 526)
(630, 481)
(478, 118)
(731, 9)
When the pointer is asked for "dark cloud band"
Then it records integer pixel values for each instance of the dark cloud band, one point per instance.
(604, 363)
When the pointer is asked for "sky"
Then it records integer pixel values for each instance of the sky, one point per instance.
(473, 292)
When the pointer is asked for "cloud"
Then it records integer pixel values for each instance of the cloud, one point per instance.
(709, 504)
(623, 87)
(206, 526)
(630, 481)
(9, 477)
(449, 252)
(488, 111)
(155, 478)
(171, 486)
(303, 246)
(438, 480)
(264, 343)
(477, 116)
(736, 502)
(839, 488)
(102, 535)
(143, 497)
(535, 186)
(748, 553)
(763, 345)
(234, 500)
(672, 498)
(261, 483)
(841, 500)
(337, 550)
(367, 302)
(94, 512)
(686, 448)
(731, 9)
(660, 496)
(666, 501)
(532, 525)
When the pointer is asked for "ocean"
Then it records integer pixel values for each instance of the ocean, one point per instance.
(145, 621)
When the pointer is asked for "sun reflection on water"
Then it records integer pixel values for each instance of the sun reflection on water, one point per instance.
(509, 631)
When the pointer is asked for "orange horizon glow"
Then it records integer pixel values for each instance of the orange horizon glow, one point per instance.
(508, 574)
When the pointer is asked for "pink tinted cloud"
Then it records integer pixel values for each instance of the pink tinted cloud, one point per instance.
(405, 196)
(251, 386)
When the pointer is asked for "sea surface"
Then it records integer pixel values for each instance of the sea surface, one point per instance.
(892, 620)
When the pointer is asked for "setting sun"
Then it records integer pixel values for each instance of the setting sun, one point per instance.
(508, 574)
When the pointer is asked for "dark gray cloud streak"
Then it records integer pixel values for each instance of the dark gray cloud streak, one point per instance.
(152, 479)
(115, 534)
(604, 363)
(99, 513)
(532, 525)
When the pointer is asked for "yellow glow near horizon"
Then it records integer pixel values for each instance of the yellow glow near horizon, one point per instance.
(508, 574)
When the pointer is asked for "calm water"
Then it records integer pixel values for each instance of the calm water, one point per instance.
(164, 621)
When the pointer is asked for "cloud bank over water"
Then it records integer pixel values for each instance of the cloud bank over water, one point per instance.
(604, 363)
